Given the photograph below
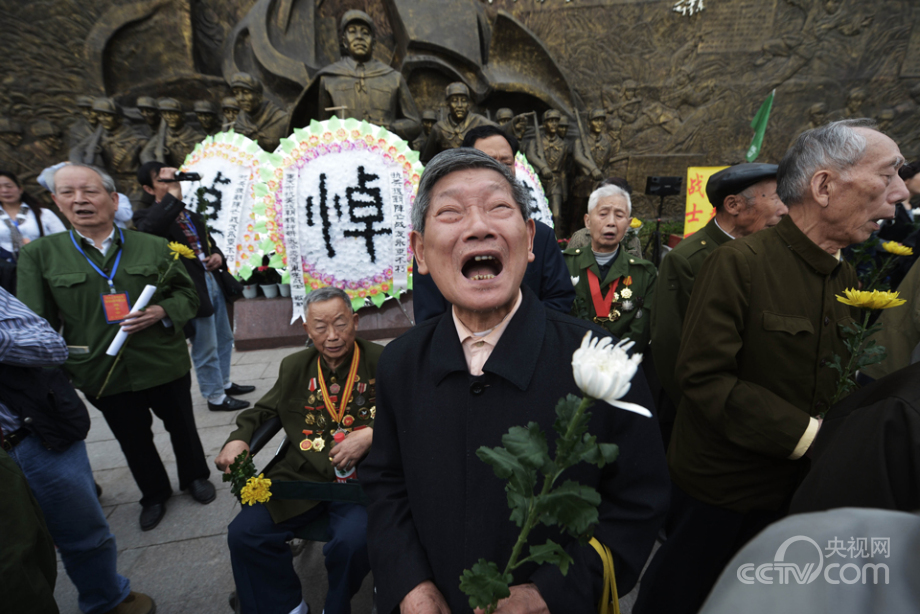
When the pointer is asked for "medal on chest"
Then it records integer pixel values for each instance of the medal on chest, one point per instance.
(330, 395)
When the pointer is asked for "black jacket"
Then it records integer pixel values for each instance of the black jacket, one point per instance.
(160, 219)
(436, 508)
(46, 403)
(867, 453)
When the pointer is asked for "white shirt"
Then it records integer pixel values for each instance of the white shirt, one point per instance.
(106, 243)
(28, 225)
(722, 229)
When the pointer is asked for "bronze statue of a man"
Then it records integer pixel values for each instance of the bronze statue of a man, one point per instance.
(258, 119)
(429, 119)
(229, 109)
(175, 139)
(147, 107)
(114, 146)
(85, 123)
(206, 113)
(360, 87)
(592, 152)
(503, 117)
(548, 154)
(448, 133)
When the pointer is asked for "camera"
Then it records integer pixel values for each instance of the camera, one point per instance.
(182, 177)
(663, 186)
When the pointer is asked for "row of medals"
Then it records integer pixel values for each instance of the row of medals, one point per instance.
(316, 417)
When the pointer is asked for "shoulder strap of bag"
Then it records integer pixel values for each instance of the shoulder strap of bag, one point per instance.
(610, 600)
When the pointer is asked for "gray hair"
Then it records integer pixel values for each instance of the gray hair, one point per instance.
(607, 191)
(836, 146)
(107, 182)
(460, 159)
(322, 295)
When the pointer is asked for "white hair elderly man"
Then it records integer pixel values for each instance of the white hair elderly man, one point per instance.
(612, 288)
(761, 331)
(83, 282)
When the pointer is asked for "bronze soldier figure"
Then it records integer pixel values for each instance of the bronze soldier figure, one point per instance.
(10, 138)
(175, 139)
(448, 133)
(429, 119)
(114, 146)
(360, 87)
(85, 123)
(206, 112)
(258, 119)
(547, 153)
(229, 108)
(147, 106)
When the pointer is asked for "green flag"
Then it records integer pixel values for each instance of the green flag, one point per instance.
(759, 124)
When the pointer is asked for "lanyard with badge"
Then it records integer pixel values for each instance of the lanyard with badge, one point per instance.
(115, 305)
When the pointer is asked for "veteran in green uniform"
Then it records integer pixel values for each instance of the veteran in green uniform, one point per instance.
(612, 288)
(84, 282)
(322, 390)
(745, 201)
(762, 327)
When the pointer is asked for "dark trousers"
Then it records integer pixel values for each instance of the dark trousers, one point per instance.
(263, 564)
(702, 539)
(128, 415)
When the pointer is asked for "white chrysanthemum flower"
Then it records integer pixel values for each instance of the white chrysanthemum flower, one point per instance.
(604, 371)
(575, 280)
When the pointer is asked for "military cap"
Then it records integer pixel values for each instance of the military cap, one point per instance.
(245, 81)
(169, 104)
(85, 101)
(146, 102)
(552, 114)
(43, 128)
(736, 179)
(356, 15)
(229, 103)
(205, 106)
(457, 88)
(8, 126)
(429, 115)
(504, 113)
(106, 105)
(563, 120)
(597, 114)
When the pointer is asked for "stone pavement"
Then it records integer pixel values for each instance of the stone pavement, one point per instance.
(184, 563)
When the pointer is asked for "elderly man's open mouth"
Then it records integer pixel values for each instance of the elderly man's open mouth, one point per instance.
(482, 266)
(84, 211)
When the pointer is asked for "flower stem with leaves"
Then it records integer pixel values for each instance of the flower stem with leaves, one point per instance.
(603, 372)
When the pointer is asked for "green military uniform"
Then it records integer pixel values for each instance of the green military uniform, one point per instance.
(762, 325)
(672, 296)
(296, 398)
(635, 274)
(60, 285)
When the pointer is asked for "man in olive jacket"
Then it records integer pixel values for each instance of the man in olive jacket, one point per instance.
(762, 327)
(85, 281)
(328, 388)
(745, 201)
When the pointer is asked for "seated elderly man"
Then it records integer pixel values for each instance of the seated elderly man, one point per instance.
(498, 358)
(614, 289)
(323, 390)
(763, 326)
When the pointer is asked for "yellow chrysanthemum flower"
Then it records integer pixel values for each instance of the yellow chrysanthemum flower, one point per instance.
(870, 300)
(178, 249)
(893, 247)
(635, 223)
(256, 490)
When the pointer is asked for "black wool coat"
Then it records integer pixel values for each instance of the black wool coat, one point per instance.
(436, 508)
